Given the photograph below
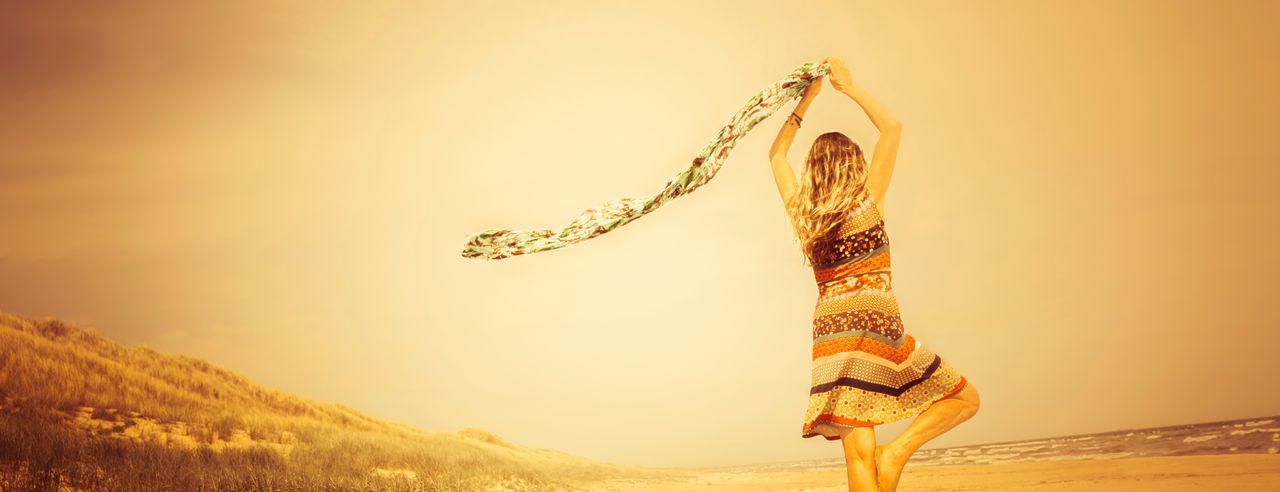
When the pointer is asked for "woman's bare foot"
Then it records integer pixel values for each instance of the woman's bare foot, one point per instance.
(889, 464)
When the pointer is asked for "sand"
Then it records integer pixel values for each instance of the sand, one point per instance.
(1235, 473)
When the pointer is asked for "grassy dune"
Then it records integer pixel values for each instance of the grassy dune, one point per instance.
(80, 412)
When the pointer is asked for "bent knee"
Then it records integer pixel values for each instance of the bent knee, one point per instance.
(970, 395)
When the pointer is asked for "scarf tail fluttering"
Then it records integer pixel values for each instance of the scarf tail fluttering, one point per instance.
(494, 244)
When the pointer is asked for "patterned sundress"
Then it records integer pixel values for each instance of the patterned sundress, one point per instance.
(867, 370)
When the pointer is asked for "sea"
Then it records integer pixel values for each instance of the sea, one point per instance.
(1255, 435)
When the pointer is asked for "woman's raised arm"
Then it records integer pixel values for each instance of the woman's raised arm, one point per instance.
(783, 174)
(886, 152)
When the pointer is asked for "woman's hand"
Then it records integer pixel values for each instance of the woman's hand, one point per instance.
(840, 78)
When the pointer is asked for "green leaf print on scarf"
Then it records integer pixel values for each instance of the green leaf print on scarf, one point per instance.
(495, 244)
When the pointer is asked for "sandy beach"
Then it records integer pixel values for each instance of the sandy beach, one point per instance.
(1237, 473)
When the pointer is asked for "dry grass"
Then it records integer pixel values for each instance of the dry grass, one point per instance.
(80, 412)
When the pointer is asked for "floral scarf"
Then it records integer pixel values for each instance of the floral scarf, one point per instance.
(494, 244)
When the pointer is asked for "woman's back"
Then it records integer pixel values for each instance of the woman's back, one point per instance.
(858, 245)
(867, 370)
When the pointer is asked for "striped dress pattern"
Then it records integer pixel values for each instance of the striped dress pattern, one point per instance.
(867, 370)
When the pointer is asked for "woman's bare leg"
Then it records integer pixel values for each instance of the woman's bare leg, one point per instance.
(940, 417)
(860, 458)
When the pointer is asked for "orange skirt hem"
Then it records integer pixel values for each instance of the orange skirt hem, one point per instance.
(866, 423)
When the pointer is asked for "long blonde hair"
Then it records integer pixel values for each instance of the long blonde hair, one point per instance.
(834, 178)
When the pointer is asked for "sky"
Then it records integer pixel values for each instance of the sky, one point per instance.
(1082, 212)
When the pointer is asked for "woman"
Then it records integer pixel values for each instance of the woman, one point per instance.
(867, 370)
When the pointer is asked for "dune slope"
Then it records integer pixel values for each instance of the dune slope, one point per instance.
(80, 411)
